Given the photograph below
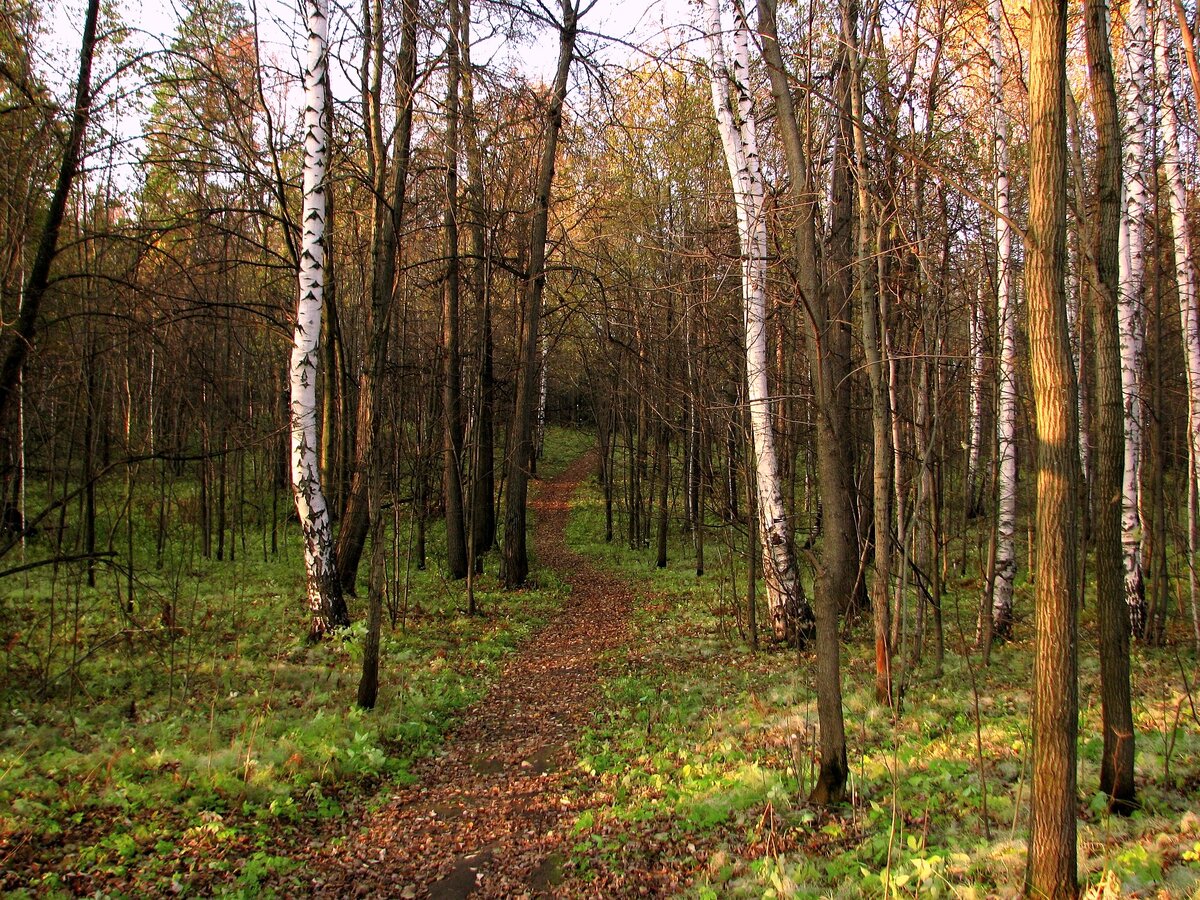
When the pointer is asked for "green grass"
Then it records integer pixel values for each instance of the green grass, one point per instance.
(703, 753)
(168, 746)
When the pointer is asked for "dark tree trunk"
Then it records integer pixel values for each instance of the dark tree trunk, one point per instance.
(24, 328)
(384, 288)
(516, 555)
(1108, 460)
(452, 459)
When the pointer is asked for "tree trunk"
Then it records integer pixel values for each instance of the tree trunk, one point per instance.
(1006, 317)
(516, 555)
(1052, 848)
(325, 600)
(1189, 301)
(368, 685)
(483, 513)
(39, 273)
(881, 446)
(452, 458)
(385, 289)
(827, 310)
(735, 121)
(1138, 148)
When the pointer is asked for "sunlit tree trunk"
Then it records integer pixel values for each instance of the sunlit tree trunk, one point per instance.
(1116, 766)
(1053, 800)
(1189, 302)
(1006, 317)
(1138, 146)
(735, 122)
(325, 599)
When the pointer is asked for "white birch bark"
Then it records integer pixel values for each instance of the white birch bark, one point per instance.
(1006, 316)
(324, 596)
(735, 122)
(975, 341)
(1189, 302)
(1131, 311)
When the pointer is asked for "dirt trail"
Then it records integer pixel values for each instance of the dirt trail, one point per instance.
(487, 817)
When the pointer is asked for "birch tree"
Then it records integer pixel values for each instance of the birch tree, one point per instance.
(325, 598)
(1006, 316)
(735, 122)
(1138, 146)
(1189, 303)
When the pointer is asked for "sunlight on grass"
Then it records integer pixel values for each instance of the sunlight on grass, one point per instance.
(702, 753)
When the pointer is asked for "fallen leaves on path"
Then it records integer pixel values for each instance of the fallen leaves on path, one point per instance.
(490, 816)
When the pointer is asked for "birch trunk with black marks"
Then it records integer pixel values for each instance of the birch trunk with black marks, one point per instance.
(733, 108)
(326, 602)
(1138, 147)
(1006, 318)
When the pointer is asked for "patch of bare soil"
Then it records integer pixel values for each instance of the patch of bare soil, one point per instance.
(489, 816)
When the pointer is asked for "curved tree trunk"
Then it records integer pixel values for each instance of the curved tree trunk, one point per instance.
(39, 273)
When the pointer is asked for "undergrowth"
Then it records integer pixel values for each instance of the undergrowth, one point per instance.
(172, 744)
(701, 755)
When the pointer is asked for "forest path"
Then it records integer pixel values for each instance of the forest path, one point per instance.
(487, 817)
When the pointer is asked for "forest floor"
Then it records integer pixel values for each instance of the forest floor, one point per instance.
(489, 814)
(606, 732)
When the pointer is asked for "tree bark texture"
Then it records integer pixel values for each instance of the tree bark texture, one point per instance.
(326, 602)
(1138, 148)
(733, 107)
(1052, 847)
(1116, 766)
(1006, 317)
